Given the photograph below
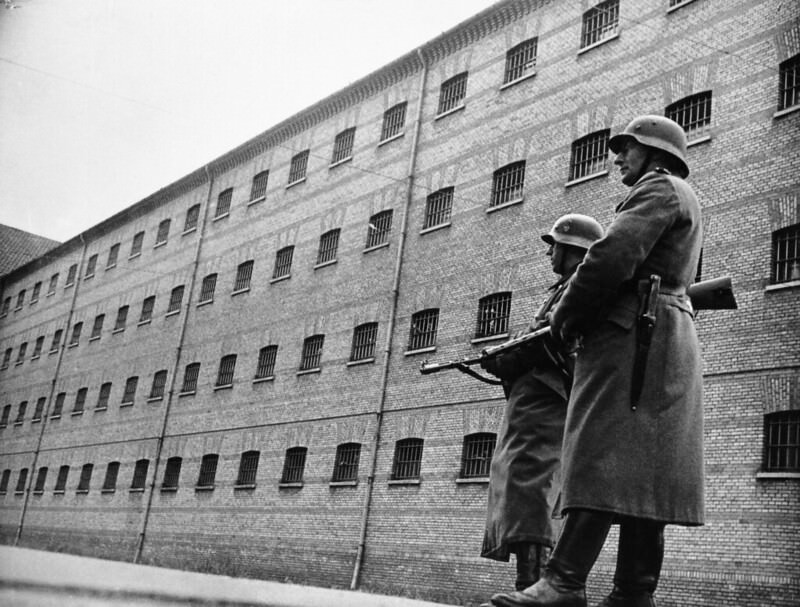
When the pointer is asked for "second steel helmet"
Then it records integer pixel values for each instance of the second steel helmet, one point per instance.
(656, 132)
(574, 229)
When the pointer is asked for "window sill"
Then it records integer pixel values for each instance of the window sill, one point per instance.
(290, 485)
(478, 480)
(68, 285)
(81, 492)
(223, 387)
(376, 247)
(223, 216)
(240, 291)
(786, 111)
(136, 490)
(339, 162)
(17, 309)
(309, 371)
(247, 487)
(449, 112)
(434, 228)
(58, 492)
(594, 45)
(36, 420)
(19, 363)
(420, 351)
(100, 409)
(390, 139)
(783, 285)
(505, 205)
(294, 183)
(36, 357)
(343, 483)
(107, 491)
(280, 278)
(777, 475)
(130, 404)
(363, 361)
(698, 141)
(56, 416)
(50, 294)
(69, 347)
(38, 492)
(88, 276)
(116, 331)
(187, 393)
(111, 267)
(261, 380)
(256, 200)
(569, 184)
(406, 481)
(53, 352)
(159, 244)
(173, 313)
(672, 9)
(91, 339)
(325, 264)
(154, 399)
(19, 493)
(33, 302)
(482, 340)
(134, 256)
(18, 424)
(74, 413)
(200, 488)
(169, 489)
(188, 231)
(205, 303)
(518, 80)
(143, 322)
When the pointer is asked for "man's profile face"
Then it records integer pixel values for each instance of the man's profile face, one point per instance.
(630, 159)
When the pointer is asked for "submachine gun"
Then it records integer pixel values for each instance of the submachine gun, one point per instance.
(712, 294)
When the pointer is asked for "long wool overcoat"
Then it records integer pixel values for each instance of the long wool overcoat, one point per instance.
(524, 475)
(645, 463)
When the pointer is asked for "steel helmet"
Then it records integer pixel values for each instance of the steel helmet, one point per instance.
(656, 132)
(574, 229)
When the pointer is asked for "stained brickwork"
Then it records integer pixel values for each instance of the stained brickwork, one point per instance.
(421, 536)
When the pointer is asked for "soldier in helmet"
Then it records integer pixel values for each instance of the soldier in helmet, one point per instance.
(633, 452)
(523, 481)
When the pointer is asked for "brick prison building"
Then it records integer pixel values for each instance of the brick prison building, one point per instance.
(225, 376)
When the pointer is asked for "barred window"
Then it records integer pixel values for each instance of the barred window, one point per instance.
(72, 272)
(130, 390)
(38, 412)
(103, 396)
(20, 299)
(56, 340)
(80, 400)
(328, 245)
(248, 468)
(226, 368)
(172, 473)
(4, 481)
(21, 480)
(493, 314)
(789, 83)
(159, 382)
(600, 23)
(163, 232)
(693, 113)
(294, 464)
(378, 229)
(258, 190)
(37, 348)
(136, 245)
(113, 253)
(364, 339)
(6, 415)
(521, 61)
(297, 168)
(266, 362)
(61, 479)
(21, 354)
(312, 352)
(208, 471)
(508, 184)
(122, 318)
(140, 474)
(345, 467)
(782, 441)
(37, 288)
(224, 203)
(786, 255)
(51, 288)
(76, 334)
(110, 481)
(175, 299)
(58, 405)
(394, 120)
(438, 207)
(23, 406)
(343, 145)
(6, 306)
(476, 455)
(407, 459)
(190, 375)
(41, 479)
(243, 275)
(423, 329)
(207, 288)
(452, 93)
(97, 327)
(91, 266)
(192, 217)
(148, 305)
(85, 479)
(7, 358)
(589, 155)
(283, 262)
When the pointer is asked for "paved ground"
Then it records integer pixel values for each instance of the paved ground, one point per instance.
(32, 578)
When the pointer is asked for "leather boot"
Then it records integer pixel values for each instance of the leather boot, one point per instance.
(563, 583)
(529, 564)
(639, 558)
